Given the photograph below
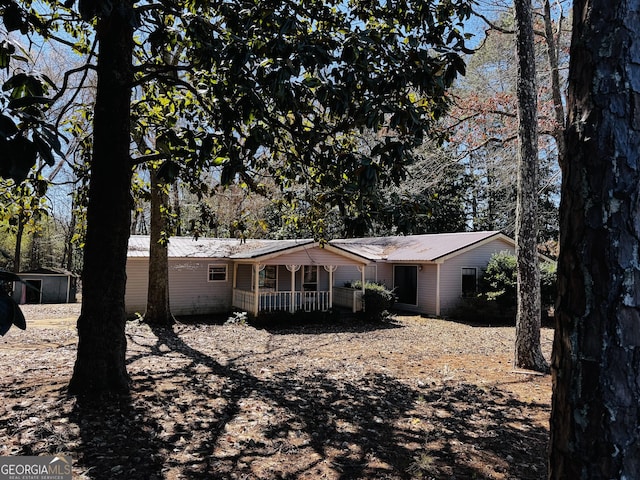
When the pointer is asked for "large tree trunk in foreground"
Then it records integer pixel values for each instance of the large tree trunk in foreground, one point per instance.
(100, 364)
(596, 357)
(158, 308)
(528, 353)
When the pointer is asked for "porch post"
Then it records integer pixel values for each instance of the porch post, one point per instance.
(361, 269)
(293, 269)
(235, 275)
(438, 289)
(330, 269)
(256, 288)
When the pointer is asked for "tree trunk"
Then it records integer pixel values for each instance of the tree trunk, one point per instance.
(596, 356)
(177, 208)
(556, 89)
(528, 353)
(17, 253)
(100, 364)
(158, 308)
(68, 246)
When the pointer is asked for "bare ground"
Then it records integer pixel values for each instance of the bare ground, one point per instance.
(415, 398)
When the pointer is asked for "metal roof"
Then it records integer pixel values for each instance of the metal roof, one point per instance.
(188, 247)
(414, 248)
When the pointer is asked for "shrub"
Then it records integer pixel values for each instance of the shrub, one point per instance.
(496, 301)
(548, 286)
(378, 300)
(499, 280)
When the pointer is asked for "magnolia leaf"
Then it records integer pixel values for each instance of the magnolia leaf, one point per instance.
(19, 156)
(13, 19)
(15, 81)
(27, 101)
(10, 313)
(6, 52)
(169, 171)
(8, 127)
(44, 149)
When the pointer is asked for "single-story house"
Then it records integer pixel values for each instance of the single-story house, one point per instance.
(430, 273)
(215, 275)
(46, 285)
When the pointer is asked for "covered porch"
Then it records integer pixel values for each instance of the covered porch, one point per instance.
(291, 281)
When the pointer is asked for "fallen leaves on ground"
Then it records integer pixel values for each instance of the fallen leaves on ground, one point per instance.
(413, 398)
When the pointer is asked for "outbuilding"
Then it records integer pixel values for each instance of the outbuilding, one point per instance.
(46, 285)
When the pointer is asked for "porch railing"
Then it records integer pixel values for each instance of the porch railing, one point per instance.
(275, 301)
(243, 300)
(282, 301)
(348, 298)
(314, 301)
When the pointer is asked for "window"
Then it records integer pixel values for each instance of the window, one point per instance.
(469, 282)
(268, 277)
(310, 278)
(217, 273)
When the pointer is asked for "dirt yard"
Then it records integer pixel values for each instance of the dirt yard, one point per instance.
(415, 398)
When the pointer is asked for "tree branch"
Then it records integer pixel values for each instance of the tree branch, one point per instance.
(85, 68)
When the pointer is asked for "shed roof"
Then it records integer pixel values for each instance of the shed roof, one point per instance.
(49, 271)
(415, 248)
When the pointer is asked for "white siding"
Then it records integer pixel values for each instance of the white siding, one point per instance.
(385, 274)
(451, 271)
(190, 291)
(427, 289)
(135, 298)
(345, 274)
(349, 273)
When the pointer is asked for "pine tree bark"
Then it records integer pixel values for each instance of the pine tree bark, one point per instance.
(100, 364)
(596, 356)
(528, 352)
(158, 306)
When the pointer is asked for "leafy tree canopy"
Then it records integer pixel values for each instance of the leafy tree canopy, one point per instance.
(279, 89)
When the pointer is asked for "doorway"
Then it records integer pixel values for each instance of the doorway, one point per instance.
(405, 283)
(34, 291)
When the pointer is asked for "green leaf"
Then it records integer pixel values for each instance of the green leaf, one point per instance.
(169, 171)
(44, 149)
(19, 156)
(6, 52)
(7, 127)
(13, 19)
(28, 101)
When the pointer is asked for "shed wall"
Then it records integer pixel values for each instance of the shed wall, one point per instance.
(54, 288)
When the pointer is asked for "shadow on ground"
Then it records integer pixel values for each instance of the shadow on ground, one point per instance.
(191, 416)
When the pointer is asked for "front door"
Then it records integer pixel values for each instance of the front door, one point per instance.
(405, 283)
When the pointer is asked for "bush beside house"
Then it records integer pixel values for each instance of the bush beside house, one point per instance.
(378, 300)
(496, 300)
